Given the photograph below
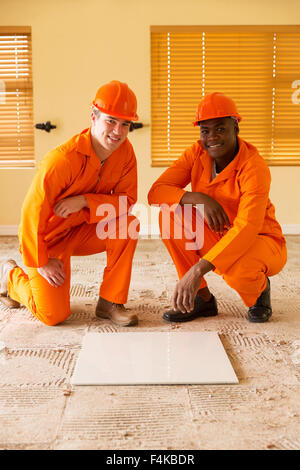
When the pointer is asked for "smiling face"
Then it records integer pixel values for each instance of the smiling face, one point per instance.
(219, 139)
(109, 132)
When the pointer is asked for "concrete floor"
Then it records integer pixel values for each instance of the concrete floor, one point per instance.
(39, 409)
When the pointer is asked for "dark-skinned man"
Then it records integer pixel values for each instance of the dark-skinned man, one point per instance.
(242, 240)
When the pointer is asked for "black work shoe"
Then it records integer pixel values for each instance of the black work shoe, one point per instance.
(201, 309)
(261, 311)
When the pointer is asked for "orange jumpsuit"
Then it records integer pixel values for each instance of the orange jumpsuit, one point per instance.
(69, 170)
(254, 246)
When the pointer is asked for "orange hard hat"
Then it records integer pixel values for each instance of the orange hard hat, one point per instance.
(118, 100)
(216, 105)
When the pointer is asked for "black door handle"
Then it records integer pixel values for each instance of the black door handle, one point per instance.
(135, 125)
(45, 127)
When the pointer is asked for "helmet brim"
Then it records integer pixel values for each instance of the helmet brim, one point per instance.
(116, 115)
(237, 116)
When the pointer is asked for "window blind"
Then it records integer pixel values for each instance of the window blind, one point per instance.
(16, 101)
(257, 66)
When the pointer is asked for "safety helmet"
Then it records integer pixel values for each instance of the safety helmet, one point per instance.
(216, 105)
(118, 100)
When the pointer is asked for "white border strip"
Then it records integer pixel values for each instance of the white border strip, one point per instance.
(291, 229)
(150, 231)
(8, 230)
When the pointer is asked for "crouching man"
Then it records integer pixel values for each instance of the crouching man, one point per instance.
(242, 240)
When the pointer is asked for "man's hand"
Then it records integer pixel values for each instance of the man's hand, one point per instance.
(186, 290)
(188, 286)
(53, 272)
(67, 206)
(214, 213)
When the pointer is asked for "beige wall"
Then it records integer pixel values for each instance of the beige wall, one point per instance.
(80, 44)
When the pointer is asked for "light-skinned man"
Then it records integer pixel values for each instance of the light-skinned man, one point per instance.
(65, 214)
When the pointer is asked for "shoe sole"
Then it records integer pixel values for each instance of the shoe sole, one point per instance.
(8, 302)
(252, 320)
(107, 317)
(4, 283)
(193, 317)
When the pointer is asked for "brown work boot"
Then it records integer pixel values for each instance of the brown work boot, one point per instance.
(117, 313)
(5, 269)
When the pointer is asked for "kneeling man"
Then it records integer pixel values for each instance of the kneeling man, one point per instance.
(65, 214)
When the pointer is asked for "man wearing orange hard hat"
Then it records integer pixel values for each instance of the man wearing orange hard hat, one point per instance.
(242, 240)
(65, 214)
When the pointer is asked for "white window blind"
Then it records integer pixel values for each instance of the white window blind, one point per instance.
(16, 101)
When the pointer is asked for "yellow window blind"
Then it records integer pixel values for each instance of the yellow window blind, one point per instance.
(257, 66)
(16, 102)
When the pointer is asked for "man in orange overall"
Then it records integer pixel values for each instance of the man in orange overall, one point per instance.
(65, 213)
(242, 240)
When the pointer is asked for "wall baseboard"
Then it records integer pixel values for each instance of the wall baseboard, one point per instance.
(8, 230)
(291, 229)
(150, 231)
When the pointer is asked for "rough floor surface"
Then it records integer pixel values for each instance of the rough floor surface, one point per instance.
(39, 409)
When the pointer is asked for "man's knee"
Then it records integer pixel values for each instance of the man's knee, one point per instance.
(182, 224)
(126, 227)
(52, 317)
(170, 221)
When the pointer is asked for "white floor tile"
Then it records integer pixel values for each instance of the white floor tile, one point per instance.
(153, 358)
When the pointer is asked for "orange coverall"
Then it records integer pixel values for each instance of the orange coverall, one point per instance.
(69, 170)
(254, 246)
